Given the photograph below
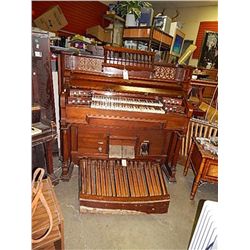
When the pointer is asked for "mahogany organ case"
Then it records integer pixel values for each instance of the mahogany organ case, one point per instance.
(122, 106)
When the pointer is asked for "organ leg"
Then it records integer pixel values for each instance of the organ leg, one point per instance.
(67, 165)
(173, 154)
(177, 151)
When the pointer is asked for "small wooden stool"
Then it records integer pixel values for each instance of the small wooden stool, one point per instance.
(204, 165)
(40, 220)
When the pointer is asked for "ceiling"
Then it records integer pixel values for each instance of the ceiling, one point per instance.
(176, 4)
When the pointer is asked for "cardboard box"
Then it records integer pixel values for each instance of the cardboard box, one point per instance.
(97, 32)
(108, 36)
(100, 33)
(51, 20)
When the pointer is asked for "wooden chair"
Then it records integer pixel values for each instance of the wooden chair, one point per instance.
(47, 220)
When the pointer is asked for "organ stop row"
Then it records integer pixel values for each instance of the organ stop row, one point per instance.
(106, 116)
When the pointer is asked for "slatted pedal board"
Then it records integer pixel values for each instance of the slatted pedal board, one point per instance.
(112, 185)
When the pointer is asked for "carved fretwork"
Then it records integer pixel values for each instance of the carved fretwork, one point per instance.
(88, 64)
(166, 73)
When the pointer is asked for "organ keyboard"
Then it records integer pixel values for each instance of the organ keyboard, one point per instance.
(126, 107)
(103, 116)
(127, 101)
(114, 101)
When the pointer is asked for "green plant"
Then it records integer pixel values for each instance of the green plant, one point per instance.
(131, 7)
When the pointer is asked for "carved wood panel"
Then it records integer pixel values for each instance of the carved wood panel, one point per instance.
(167, 73)
(88, 64)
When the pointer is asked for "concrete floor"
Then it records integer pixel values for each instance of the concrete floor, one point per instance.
(112, 231)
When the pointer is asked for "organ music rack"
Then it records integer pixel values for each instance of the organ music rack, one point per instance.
(104, 116)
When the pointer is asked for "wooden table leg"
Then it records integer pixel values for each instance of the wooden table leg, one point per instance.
(200, 93)
(49, 161)
(48, 156)
(197, 180)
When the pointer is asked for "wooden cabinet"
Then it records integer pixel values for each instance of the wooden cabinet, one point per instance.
(42, 87)
(204, 165)
(43, 112)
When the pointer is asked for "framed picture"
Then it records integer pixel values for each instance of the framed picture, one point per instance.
(177, 43)
(209, 51)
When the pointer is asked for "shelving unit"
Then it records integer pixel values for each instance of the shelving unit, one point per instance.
(155, 39)
(117, 28)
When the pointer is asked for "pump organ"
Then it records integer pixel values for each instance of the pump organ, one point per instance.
(106, 116)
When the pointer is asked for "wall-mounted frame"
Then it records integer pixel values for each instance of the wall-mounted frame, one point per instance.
(209, 51)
